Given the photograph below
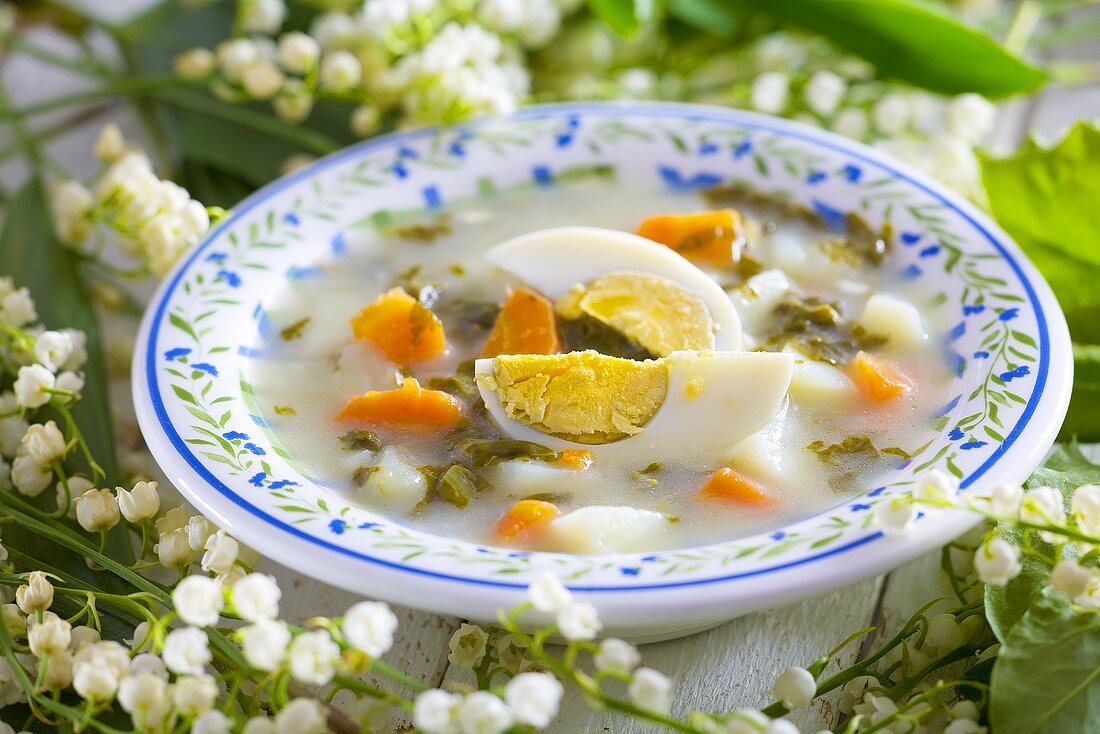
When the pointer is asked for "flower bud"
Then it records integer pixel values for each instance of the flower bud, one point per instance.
(340, 70)
(795, 687)
(110, 145)
(44, 443)
(53, 348)
(139, 504)
(30, 477)
(298, 52)
(199, 529)
(32, 385)
(997, 562)
(196, 63)
(262, 80)
(57, 670)
(51, 635)
(173, 550)
(221, 552)
(14, 619)
(1070, 577)
(36, 595)
(82, 636)
(97, 510)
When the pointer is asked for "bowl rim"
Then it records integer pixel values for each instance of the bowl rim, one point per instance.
(1051, 393)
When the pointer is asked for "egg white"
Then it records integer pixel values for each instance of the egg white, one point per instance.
(554, 260)
(741, 392)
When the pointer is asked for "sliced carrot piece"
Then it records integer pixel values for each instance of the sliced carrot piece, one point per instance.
(574, 459)
(524, 517)
(401, 327)
(729, 486)
(878, 380)
(525, 325)
(706, 237)
(407, 409)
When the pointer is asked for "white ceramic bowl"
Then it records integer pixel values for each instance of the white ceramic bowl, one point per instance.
(1010, 347)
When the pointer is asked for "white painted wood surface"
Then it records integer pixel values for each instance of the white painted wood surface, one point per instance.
(728, 667)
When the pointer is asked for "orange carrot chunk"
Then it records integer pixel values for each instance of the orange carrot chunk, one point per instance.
(409, 409)
(729, 486)
(525, 325)
(705, 237)
(524, 517)
(574, 459)
(401, 327)
(878, 380)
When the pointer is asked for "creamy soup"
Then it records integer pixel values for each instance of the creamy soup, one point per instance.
(595, 368)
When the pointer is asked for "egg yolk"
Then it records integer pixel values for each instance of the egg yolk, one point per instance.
(656, 312)
(584, 397)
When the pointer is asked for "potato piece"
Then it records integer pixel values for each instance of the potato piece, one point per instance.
(393, 484)
(522, 478)
(894, 318)
(759, 296)
(601, 529)
(821, 385)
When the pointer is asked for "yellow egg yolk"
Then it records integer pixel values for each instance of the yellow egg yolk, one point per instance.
(656, 312)
(585, 397)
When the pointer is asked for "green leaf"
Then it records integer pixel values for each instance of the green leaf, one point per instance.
(1065, 470)
(707, 15)
(910, 41)
(1046, 679)
(624, 16)
(1045, 198)
(31, 254)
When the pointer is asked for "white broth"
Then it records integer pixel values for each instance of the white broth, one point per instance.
(797, 289)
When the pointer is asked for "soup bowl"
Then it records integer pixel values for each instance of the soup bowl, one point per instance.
(1008, 347)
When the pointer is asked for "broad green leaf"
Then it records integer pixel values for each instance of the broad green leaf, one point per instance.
(31, 254)
(1046, 199)
(909, 41)
(1046, 679)
(1065, 470)
(624, 16)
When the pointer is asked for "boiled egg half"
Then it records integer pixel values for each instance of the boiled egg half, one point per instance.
(638, 287)
(691, 407)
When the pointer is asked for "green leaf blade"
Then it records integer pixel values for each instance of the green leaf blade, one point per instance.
(911, 42)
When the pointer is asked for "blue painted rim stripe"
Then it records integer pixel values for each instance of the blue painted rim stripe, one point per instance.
(550, 111)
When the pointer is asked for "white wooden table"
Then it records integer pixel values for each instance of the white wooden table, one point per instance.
(731, 666)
